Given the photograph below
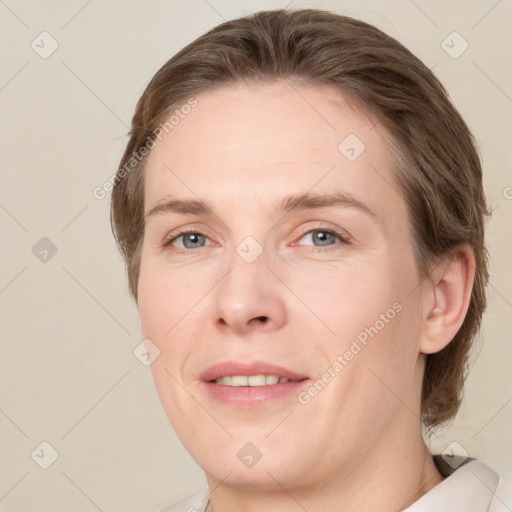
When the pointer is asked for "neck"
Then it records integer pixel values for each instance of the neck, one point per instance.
(388, 478)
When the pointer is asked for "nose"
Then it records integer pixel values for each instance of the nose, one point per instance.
(249, 297)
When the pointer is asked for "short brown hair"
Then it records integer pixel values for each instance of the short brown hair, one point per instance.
(438, 169)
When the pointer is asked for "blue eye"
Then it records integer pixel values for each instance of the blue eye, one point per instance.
(191, 239)
(324, 237)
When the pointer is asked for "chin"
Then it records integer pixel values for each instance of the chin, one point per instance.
(249, 465)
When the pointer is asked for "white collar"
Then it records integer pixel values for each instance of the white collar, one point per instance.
(471, 486)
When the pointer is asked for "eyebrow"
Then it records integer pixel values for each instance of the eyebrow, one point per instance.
(295, 202)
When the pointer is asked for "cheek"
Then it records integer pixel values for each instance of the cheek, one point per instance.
(164, 304)
(172, 309)
(373, 314)
(155, 305)
(348, 297)
(165, 296)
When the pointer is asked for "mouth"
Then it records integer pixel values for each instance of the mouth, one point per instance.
(249, 385)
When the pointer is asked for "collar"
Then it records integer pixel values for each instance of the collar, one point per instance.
(468, 485)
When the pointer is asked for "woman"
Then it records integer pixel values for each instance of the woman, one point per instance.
(301, 212)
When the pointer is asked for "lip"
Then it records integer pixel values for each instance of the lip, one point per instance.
(251, 396)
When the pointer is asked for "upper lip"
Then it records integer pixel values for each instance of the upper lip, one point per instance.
(225, 368)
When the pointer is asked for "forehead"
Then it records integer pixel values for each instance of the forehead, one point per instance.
(269, 140)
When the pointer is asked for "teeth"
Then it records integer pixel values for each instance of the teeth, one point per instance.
(256, 380)
(239, 380)
(252, 380)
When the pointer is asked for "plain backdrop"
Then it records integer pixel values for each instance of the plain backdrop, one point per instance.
(68, 374)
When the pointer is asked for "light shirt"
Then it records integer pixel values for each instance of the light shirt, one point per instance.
(468, 486)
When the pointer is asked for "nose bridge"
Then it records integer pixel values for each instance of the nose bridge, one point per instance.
(248, 294)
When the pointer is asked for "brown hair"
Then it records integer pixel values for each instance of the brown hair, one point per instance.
(439, 168)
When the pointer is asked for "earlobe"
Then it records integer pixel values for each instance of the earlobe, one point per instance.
(446, 299)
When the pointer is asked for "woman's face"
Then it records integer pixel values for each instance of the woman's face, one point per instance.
(298, 265)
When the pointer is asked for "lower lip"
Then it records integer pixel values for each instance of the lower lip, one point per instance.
(253, 396)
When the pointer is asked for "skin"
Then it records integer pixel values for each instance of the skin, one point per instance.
(357, 444)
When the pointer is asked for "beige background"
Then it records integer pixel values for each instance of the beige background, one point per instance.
(68, 375)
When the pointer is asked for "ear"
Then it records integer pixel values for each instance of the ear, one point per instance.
(446, 297)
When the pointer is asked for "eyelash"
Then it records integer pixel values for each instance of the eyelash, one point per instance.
(344, 239)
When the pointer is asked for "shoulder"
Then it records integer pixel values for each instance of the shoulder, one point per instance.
(479, 484)
(194, 503)
(502, 501)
